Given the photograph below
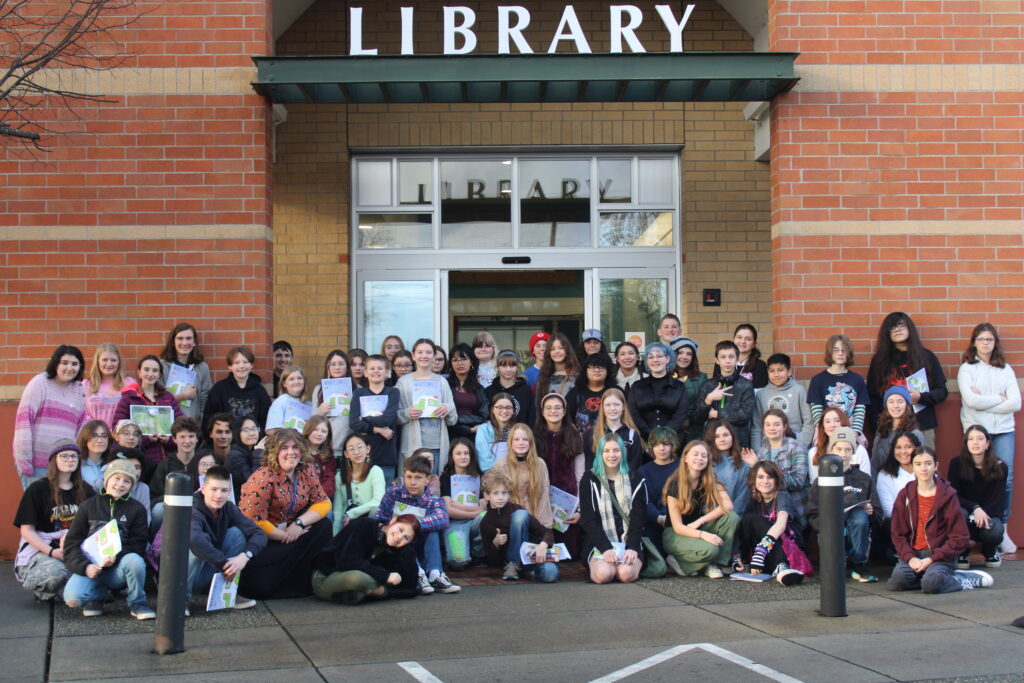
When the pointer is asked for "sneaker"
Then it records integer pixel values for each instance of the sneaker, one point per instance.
(673, 564)
(142, 611)
(787, 576)
(423, 585)
(188, 612)
(713, 571)
(352, 597)
(92, 609)
(442, 584)
(1007, 547)
(964, 561)
(994, 560)
(511, 572)
(243, 602)
(973, 578)
(861, 573)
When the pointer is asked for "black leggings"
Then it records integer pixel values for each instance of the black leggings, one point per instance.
(753, 528)
(285, 570)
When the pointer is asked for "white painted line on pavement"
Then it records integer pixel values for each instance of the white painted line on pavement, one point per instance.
(416, 670)
(727, 655)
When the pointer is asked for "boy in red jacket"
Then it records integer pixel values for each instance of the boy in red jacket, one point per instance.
(929, 533)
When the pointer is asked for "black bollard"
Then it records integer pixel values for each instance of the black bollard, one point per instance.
(177, 527)
(831, 543)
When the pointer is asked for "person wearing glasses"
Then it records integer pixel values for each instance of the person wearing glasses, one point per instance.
(94, 445)
(899, 359)
(658, 400)
(44, 515)
(989, 396)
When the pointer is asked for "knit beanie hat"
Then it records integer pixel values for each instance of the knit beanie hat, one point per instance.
(539, 336)
(897, 390)
(119, 466)
(843, 434)
(679, 342)
(63, 445)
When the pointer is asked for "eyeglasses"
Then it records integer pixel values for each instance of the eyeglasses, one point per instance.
(68, 457)
(102, 437)
(504, 408)
(403, 366)
(355, 448)
(249, 430)
(556, 407)
(656, 356)
(985, 340)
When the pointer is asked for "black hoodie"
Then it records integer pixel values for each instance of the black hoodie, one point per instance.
(360, 546)
(522, 399)
(227, 397)
(95, 512)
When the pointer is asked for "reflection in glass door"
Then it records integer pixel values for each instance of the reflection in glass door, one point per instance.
(398, 303)
(629, 302)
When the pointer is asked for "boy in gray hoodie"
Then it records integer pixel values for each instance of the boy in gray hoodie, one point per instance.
(786, 394)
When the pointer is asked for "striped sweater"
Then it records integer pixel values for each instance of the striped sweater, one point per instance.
(47, 412)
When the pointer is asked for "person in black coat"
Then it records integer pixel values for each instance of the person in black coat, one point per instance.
(658, 400)
(368, 558)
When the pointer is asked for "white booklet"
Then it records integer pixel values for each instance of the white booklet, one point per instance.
(563, 506)
(918, 382)
(372, 406)
(296, 413)
(406, 509)
(106, 542)
(179, 377)
(337, 393)
(465, 489)
(555, 553)
(223, 593)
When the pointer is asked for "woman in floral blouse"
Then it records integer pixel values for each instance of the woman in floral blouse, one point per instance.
(285, 499)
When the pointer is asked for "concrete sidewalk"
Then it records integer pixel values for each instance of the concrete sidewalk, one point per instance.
(563, 632)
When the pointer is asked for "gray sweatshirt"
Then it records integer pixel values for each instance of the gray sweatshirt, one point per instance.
(791, 398)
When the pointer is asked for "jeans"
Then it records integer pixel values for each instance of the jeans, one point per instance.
(428, 551)
(519, 533)
(858, 535)
(390, 473)
(462, 541)
(989, 538)
(1002, 448)
(129, 572)
(200, 572)
(37, 473)
(156, 519)
(937, 578)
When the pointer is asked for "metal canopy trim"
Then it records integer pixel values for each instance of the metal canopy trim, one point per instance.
(637, 77)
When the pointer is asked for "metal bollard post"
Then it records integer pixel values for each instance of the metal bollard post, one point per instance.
(831, 543)
(170, 611)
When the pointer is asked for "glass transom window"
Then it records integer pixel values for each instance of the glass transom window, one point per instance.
(508, 202)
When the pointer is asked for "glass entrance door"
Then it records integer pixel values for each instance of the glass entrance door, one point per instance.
(627, 303)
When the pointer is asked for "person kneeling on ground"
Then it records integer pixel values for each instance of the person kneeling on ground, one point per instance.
(411, 495)
(90, 583)
(767, 539)
(506, 526)
(928, 550)
(369, 559)
(860, 503)
(222, 538)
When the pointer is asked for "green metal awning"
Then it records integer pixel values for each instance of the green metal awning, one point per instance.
(642, 77)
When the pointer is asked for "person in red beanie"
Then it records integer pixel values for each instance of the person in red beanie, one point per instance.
(538, 347)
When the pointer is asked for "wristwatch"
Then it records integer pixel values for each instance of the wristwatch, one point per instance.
(299, 523)
(248, 553)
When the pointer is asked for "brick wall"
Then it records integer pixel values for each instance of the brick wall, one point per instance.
(725, 192)
(149, 208)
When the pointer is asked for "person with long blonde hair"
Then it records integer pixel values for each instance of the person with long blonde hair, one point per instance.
(103, 385)
(702, 520)
(529, 474)
(613, 416)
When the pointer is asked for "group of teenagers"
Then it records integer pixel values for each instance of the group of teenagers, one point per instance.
(668, 469)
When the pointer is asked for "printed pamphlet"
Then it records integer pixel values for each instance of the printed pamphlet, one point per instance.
(747, 576)
(466, 489)
(153, 420)
(426, 396)
(555, 553)
(918, 382)
(563, 506)
(372, 406)
(223, 593)
(296, 413)
(179, 377)
(106, 542)
(338, 393)
(406, 509)
(617, 546)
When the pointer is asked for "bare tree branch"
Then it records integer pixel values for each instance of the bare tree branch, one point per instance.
(43, 45)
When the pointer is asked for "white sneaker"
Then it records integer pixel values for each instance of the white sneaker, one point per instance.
(242, 602)
(713, 571)
(1007, 547)
(423, 585)
(673, 564)
(973, 578)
